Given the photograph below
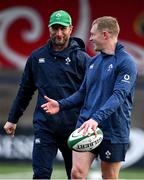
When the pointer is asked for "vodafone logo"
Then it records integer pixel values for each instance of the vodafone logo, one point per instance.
(126, 77)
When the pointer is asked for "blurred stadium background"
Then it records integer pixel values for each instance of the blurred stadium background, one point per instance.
(23, 27)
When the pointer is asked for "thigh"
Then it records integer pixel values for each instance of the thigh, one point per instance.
(82, 161)
(111, 156)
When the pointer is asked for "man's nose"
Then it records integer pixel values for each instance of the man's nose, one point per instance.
(59, 32)
(90, 38)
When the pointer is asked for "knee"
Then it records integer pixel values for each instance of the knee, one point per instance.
(109, 175)
(77, 173)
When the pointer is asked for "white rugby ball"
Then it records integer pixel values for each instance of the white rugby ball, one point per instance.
(83, 143)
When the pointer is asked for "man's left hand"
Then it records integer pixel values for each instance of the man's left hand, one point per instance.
(90, 123)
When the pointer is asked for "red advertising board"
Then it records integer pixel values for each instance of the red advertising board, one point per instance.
(24, 26)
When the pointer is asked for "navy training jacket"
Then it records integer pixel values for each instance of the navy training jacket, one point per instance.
(107, 94)
(57, 75)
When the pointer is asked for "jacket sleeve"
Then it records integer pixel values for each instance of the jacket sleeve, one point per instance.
(75, 99)
(24, 95)
(124, 85)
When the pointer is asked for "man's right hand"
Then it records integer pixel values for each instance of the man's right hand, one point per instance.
(51, 107)
(10, 128)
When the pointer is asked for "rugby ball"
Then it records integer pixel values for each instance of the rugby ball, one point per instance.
(83, 143)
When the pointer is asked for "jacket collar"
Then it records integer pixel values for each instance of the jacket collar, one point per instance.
(74, 44)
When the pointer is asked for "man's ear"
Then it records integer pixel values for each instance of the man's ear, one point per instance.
(71, 28)
(106, 35)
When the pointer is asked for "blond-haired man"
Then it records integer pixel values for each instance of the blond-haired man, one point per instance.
(107, 95)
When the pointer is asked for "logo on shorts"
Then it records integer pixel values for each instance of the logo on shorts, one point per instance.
(37, 141)
(108, 154)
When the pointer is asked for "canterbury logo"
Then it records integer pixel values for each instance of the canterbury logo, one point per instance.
(41, 60)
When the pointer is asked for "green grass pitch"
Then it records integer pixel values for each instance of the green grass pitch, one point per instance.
(24, 171)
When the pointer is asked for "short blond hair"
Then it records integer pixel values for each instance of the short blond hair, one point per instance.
(107, 23)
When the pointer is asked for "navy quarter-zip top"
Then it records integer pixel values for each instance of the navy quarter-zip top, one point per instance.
(107, 94)
(55, 74)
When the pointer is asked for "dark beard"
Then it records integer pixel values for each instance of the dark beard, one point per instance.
(58, 43)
